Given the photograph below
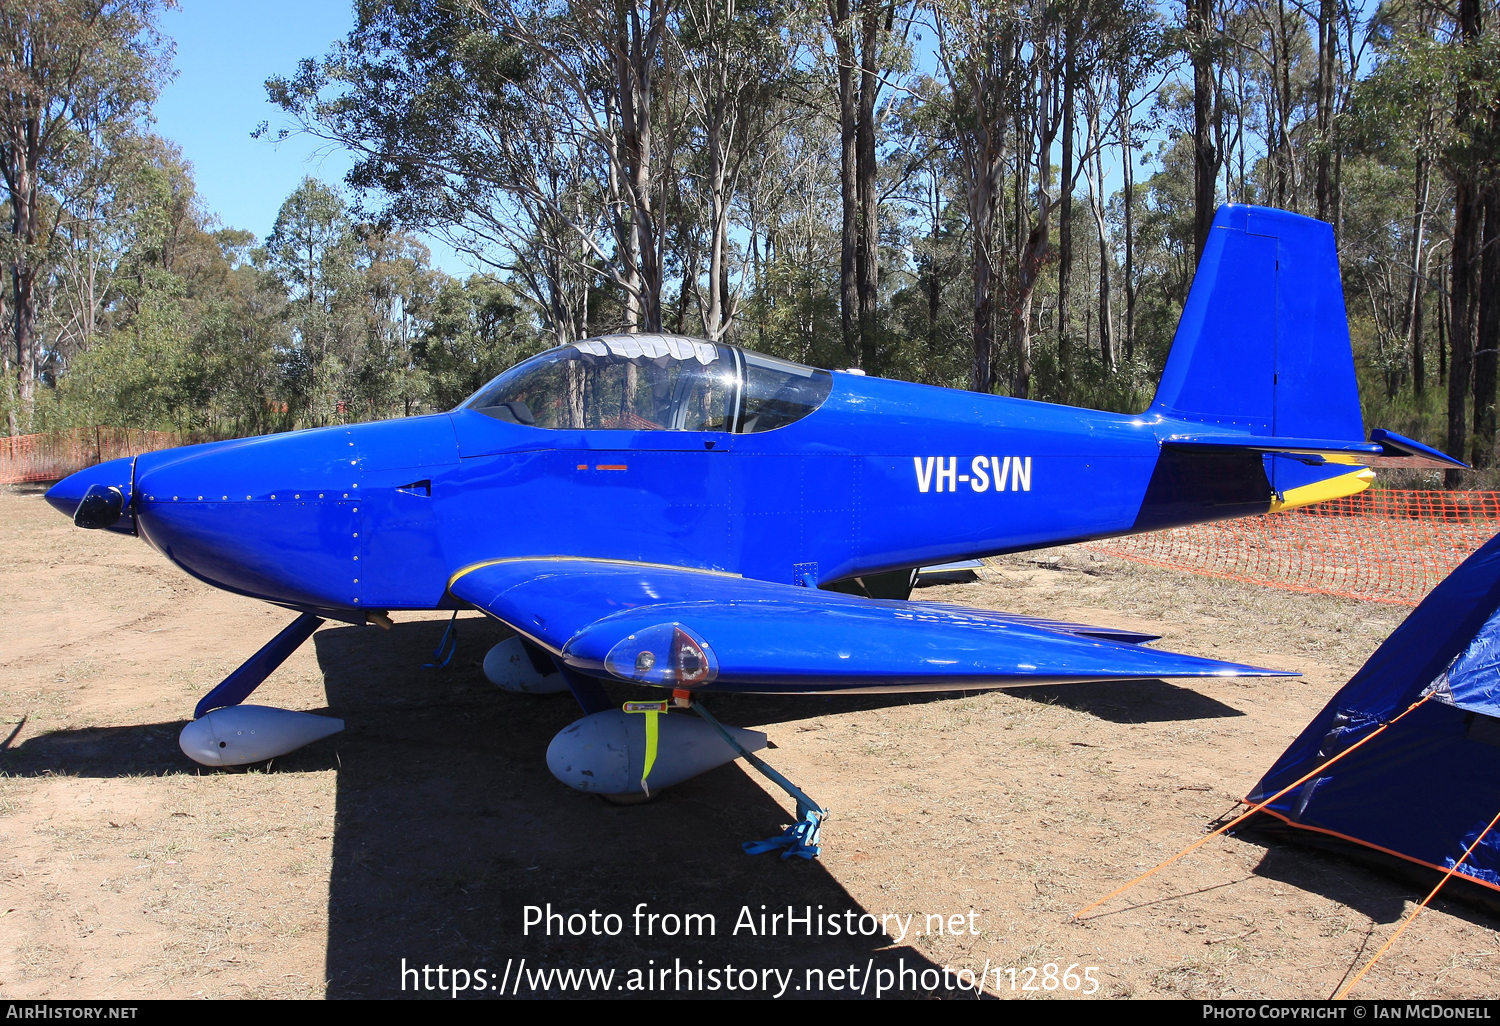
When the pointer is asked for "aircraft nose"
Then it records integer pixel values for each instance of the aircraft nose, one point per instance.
(280, 517)
(68, 494)
(275, 517)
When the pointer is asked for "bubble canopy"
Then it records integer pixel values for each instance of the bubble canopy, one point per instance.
(653, 383)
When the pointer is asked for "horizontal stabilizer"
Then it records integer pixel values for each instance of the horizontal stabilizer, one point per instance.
(1383, 450)
(1331, 449)
(1399, 451)
(676, 627)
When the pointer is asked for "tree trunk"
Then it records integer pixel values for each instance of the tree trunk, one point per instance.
(1034, 252)
(1460, 326)
(983, 201)
(1096, 203)
(1414, 289)
(636, 49)
(1442, 318)
(1206, 157)
(875, 23)
(23, 274)
(7, 333)
(25, 321)
(1487, 349)
(843, 42)
(1466, 227)
(1286, 183)
(1065, 219)
(1327, 62)
(717, 321)
(1128, 201)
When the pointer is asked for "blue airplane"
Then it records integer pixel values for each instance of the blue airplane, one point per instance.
(690, 516)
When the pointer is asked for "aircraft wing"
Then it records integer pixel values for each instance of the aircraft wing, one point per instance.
(710, 631)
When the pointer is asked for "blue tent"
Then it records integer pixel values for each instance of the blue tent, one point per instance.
(1419, 794)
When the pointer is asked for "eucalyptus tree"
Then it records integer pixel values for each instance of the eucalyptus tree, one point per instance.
(1039, 116)
(1102, 41)
(1473, 163)
(1395, 119)
(734, 62)
(74, 76)
(312, 249)
(979, 53)
(453, 125)
(1451, 58)
(600, 64)
(867, 53)
(1204, 40)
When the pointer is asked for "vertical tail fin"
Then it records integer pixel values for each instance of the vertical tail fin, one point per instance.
(1263, 343)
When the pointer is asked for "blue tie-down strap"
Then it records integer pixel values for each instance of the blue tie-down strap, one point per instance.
(799, 839)
(447, 646)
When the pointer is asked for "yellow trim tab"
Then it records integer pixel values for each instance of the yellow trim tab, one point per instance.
(1321, 491)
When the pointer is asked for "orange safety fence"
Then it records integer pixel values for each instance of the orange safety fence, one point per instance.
(1382, 545)
(26, 459)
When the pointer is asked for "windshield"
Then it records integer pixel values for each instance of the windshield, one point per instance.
(653, 383)
(777, 392)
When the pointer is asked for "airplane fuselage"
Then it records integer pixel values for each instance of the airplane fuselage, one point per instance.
(883, 475)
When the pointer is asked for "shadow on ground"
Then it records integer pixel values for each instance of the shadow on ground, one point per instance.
(1129, 701)
(144, 749)
(1373, 884)
(449, 824)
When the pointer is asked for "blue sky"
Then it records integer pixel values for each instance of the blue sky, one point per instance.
(226, 49)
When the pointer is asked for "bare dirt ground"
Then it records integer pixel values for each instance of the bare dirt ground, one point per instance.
(423, 830)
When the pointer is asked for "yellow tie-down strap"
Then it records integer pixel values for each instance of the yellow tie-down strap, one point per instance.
(652, 711)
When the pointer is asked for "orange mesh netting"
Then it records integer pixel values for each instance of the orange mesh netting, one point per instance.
(1380, 545)
(56, 454)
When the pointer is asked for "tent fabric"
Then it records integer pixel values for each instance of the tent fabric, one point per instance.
(1428, 786)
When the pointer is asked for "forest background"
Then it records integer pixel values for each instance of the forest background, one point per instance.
(1003, 196)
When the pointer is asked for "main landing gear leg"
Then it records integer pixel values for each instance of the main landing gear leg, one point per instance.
(226, 733)
(588, 691)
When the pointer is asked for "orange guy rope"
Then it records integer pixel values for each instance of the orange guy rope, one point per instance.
(1418, 910)
(1241, 818)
